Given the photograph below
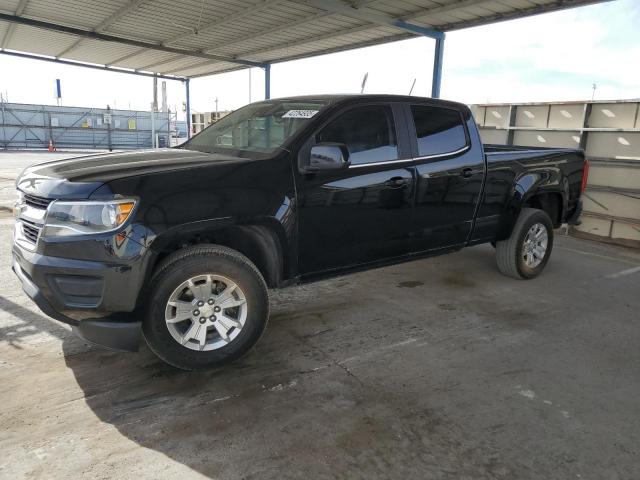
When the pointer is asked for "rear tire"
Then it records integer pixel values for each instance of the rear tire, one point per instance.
(526, 252)
(208, 305)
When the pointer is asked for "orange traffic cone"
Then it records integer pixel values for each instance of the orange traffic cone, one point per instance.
(51, 147)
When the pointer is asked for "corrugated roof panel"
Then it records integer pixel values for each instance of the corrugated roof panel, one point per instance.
(181, 64)
(160, 20)
(296, 53)
(80, 13)
(220, 66)
(294, 49)
(41, 42)
(523, 3)
(462, 14)
(308, 32)
(476, 12)
(107, 52)
(10, 5)
(146, 57)
(259, 30)
(497, 7)
(315, 41)
(399, 9)
(239, 30)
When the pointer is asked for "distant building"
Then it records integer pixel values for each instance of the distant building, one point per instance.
(201, 120)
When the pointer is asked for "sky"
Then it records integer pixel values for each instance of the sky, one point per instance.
(552, 57)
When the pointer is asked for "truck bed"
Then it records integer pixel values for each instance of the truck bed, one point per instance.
(494, 148)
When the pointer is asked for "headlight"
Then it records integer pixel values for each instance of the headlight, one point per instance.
(82, 218)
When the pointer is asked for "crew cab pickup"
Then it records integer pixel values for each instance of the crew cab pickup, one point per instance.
(181, 245)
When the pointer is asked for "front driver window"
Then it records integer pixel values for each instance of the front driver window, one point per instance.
(368, 132)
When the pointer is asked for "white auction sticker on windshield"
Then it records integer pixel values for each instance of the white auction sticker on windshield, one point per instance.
(300, 114)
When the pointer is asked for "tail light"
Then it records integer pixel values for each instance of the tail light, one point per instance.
(585, 176)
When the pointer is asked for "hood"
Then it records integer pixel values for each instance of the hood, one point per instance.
(79, 177)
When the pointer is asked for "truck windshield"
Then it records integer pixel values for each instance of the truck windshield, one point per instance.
(259, 127)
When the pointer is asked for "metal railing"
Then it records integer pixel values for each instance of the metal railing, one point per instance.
(24, 126)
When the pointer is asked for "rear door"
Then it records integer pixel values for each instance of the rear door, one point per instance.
(362, 213)
(449, 175)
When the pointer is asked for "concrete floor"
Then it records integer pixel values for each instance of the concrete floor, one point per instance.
(439, 368)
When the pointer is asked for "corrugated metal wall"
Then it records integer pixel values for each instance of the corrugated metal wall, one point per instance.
(609, 132)
(25, 126)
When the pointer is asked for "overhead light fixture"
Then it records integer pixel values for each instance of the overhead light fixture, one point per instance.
(566, 114)
(608, 113)
(541, 139)
(623, 141)
(496, 114)
(576, 138)
(529, 114)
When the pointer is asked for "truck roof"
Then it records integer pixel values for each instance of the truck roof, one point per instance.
(343, 97)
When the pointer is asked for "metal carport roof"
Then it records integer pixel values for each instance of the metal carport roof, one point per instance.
(193, 38)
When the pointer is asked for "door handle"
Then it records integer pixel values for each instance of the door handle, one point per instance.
(396, 182)
(468, 172)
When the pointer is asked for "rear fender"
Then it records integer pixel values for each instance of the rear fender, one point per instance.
(526, 187)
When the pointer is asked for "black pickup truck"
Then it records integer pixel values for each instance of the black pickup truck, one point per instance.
(182, 244)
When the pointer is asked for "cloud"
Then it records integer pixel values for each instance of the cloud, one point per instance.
(556, 56)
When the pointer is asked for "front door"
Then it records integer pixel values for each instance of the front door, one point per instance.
(362, 213)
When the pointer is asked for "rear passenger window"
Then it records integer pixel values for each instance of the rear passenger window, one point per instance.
(368, 132)
(439, 130)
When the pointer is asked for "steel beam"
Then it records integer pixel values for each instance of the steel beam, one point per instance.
(437, 67)
(16, 19)
(87, 65)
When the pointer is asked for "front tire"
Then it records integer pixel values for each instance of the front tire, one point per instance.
(208, 305)
(526, 252)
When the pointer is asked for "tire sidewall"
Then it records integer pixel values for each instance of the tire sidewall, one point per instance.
(155, 329)
(523, 269)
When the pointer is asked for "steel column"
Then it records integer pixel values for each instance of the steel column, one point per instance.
(267, 81)
(437, 67)
(188, 107)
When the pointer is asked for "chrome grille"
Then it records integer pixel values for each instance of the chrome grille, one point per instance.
(36, 202)
(30, 231)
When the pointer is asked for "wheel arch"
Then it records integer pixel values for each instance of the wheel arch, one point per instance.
(263, 241)
(546, 190)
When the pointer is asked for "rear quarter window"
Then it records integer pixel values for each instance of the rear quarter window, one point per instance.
(438, 130)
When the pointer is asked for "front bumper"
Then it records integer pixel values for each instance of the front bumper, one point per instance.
(80, 293)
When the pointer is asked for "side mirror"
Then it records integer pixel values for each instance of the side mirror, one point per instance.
(329, 156)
